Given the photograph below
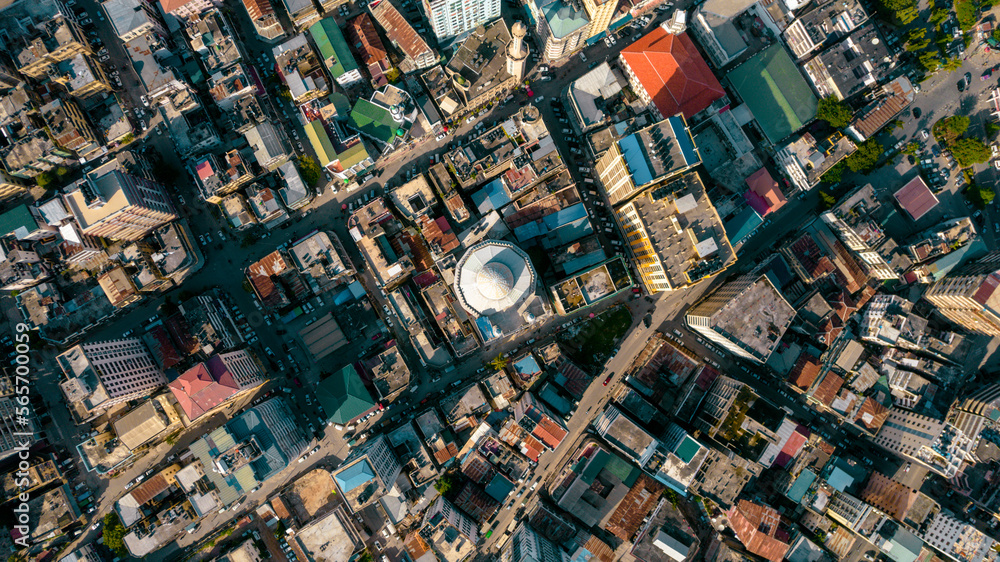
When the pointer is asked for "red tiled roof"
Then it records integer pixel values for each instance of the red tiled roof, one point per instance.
(764, 194)
(197, 392)
(625, 521)
(828, 388)
(804, 372)
(889, 496)
(871, 415)
(792, 447)
(477, 468)
(549, 432)
(673, 73)
(398, 30)
(150, 489)
(439, 234)
(757, 527)
(164, 351)
(916, 198)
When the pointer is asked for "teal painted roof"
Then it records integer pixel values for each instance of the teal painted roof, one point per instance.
(333, 47)
(344, 396)
(374, 121)
(563, 19)
(16, 218)
(687, 449)
(801, 486)
(355, 476)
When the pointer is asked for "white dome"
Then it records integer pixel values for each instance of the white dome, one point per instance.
(494, 281)
(493, 276)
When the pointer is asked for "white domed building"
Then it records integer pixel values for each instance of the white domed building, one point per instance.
(496, 284)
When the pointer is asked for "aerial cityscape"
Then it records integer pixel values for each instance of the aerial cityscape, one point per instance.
(499, 280)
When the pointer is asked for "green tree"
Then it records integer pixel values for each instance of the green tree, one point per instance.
(948, 129)
(904, 11)
(444, 484)
(863, 159)
(834, 174)
(114, 533)
(835, 112)
(310, 170)
(499, 362)
(44, 179)
(62, 171)
(996, 34)
(911, 148)
(967, 13)
(954, 63)
(986, 195)
(969, 151)
(827, 199)
(393, 75)
(917, 40)
(938, 16)
(930, 61)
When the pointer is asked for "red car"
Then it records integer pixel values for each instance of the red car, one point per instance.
(607, 380)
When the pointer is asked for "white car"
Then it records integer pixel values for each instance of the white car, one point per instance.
(995, 150)
(222, 236)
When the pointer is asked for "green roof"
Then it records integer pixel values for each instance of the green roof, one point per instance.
(687, 449)
(374, 121)
(341, 103)
(320, 142)
(16, 218)
(625, 472)
(775, 92)
(563, 18)
(344, 396)
(333, 47)
(353, 155)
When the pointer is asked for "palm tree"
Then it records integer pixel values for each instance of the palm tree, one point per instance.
(499, 363)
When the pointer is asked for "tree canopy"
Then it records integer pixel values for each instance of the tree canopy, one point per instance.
(114, 533)
(310, 170)
(834, 111)
(948, 129)
(969, 151)
(905, 11)
(865, 157)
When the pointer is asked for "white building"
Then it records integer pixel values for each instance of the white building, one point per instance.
(106, 373)
(936, 444)
(957, 540)
(747, 316)
(450, 18)
(525, 545)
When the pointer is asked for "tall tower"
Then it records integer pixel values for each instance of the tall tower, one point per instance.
(517, 51)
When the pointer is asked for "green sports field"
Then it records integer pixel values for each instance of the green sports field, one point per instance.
(775, 92)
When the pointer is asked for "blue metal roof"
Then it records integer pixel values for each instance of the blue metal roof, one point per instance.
(684, 140)
(499, 488)
(635, 159)
(801, 486)
(565, 216)
(491, 197)
(527, 365)
(586, 260)
(568, 233)
(355, 476)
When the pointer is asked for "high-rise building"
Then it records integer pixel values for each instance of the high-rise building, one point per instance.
(133, 18)
(69, 129)
(969, 296)
(934, 443)
(526, 545)
(517, 51)
(59, 39)
(600, 13)
(653, 154)
(112, 203)
(563, 26)
(368, 473)
(102, 374)
(747, 316)
(958, 540)
(451, 18)
(857, 221)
